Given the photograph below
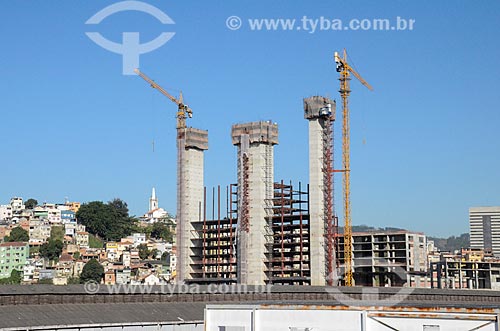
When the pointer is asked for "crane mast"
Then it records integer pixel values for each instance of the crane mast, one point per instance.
(345, 71)
(182, 108)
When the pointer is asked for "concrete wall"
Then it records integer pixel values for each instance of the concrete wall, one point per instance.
(190, 182)
(316, 202)
(255, 142)
(317, 110)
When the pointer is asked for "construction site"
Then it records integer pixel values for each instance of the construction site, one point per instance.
(260, 230)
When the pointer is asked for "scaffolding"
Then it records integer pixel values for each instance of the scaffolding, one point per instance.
(288, 257)
(330, 219)
(214, 259)
(215, 245)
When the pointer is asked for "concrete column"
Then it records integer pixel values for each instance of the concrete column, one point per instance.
(316, 111)
(255, 190)
(190, 182)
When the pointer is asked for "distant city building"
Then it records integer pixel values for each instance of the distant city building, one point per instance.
(17, 203)
(13, 256)
(484, 225)
(5, 212)
(68, 216)
(469, 269)
(82, 239)
(390, 258)
(39, 231)
(73, 206)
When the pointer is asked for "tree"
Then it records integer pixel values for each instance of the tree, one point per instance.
(57, 233)
(165, 256)
(161, 231)
(51, 249)
(18, 234)
(153, 253)
(30, 203)
(92, 271)
(143, 251)
(109, 221)
(15, 278)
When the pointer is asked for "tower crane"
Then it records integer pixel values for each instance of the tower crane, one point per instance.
(345, 71)
(182, 108)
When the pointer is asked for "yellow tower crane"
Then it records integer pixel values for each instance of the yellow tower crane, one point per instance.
(345, 71)
(182, 109)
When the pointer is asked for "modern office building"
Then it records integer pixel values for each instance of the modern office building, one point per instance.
(484, 225)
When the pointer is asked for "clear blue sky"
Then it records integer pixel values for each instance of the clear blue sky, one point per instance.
(73, 126)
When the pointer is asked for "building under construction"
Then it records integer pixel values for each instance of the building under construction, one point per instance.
(258, 230)
(266, 232)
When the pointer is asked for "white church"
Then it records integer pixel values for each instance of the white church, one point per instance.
(155, 213)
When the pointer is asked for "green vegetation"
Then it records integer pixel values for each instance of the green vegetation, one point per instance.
(95, 242)
(30, 203)
(160, 230)
(143, 251)
(17, 234)
(73, 280)
(15, 278)
(57, 233)
(110, 221)
(153, 253)
(51, 249)
(34, 251)
(92, 271)
(452, 243)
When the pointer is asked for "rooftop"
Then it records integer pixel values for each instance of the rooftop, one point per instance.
(13, 244)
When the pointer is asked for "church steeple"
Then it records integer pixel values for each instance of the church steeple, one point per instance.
(153, 201)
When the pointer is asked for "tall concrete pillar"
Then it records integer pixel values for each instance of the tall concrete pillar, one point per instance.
(317, 110)
(255, 143)
(191, 143)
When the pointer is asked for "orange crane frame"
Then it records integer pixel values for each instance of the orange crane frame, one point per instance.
(345, 71)
(182, 108)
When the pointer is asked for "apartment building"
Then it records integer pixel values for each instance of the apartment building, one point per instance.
(396, 258)
(13, 256)
(466, 271)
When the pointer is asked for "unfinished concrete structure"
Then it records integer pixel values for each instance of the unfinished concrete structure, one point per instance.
(191, 143)
(289, 248)
(255, 143)
(388, 258)
(214, 250)
(319, 111)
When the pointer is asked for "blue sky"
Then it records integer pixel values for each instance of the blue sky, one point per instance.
(73, 126)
